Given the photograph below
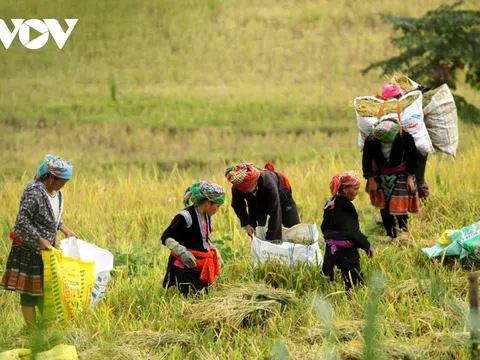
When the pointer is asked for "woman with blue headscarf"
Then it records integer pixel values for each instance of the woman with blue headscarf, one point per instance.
(38, 221)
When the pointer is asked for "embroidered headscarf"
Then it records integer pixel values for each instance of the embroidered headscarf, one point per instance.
(386, 130)
(52, 164)
(204, 190)
(243, 176)
(347, 178)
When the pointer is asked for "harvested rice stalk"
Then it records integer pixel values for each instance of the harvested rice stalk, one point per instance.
(339, 330)
(153, 339)
(403, 81)
(389, 349)
(352, 350)
(427, 97)
(259, 291)
(251, 304)
(347, 330)
(371, 108)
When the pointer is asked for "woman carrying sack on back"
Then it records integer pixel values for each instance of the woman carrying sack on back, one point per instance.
(394, 91)
(266, 193)
(38, 221)
(389, 162)
(194, 262)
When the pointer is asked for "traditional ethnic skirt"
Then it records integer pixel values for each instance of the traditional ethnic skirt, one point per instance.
(24, 271)
(392, 192)
(185, 279)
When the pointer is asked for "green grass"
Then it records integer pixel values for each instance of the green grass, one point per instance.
(423, 303)
(147, 97)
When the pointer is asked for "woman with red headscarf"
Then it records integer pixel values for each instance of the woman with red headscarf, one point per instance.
(341, 230)
(266, 193)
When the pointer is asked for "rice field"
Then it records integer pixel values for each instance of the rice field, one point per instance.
(147, 98)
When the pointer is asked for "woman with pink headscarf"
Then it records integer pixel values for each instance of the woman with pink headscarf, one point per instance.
(393, 91)
(341, 230)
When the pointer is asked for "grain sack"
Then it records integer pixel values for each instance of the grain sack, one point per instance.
(67, 285)
(103, 259)
(405, 83)
(288, 253)
(304, 234)
(367, 109)
(468, 238)
(441, 119)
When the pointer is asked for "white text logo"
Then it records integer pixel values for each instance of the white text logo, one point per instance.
(45, 28)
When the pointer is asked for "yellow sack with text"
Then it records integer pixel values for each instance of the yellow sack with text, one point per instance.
(67, 285)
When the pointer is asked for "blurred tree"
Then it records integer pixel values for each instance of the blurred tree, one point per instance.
(433, 47)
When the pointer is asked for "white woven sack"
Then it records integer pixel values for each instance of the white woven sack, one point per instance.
(441, 120)
(286, 253)
(411, 119)
(304, 234)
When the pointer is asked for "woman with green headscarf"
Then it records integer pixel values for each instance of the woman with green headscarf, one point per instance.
(389, 163)
(193, 263)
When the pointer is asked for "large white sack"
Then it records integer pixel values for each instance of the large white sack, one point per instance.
(441, 120)
(79, 249)
(411, 119)
(287, 253)
(304, 234)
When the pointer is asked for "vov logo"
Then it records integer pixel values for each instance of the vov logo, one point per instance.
(45, 28)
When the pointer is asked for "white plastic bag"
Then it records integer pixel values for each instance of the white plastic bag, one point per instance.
(441, 120)
(411, 119)
(287, 253)
(304, 234)
(79, 249)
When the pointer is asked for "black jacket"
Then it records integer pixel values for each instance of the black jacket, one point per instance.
(186, 228)
(270, 198)
(403, 151)
(341, 223)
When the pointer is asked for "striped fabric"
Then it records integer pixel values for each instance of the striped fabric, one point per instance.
(395, 192)
(386, 130)
(204, 190)
(347, 178)
(24, 272)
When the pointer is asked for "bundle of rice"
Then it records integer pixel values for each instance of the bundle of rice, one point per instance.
(348, 330)
(369, 107)
(405, 83)
(251, 304)
(338, 330)
(438, 346)
(427, 97)
(153, 340)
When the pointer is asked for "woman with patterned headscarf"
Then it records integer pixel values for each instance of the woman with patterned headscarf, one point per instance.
(194, 262)
(389, 163)
(36, 227)
(341, 230)
(266, 193)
